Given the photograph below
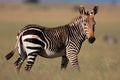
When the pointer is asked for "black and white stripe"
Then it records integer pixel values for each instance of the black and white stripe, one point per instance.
(63, 41)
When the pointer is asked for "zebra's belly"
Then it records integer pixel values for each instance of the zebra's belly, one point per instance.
(51, 54)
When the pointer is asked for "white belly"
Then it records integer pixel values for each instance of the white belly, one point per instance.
(52, 54)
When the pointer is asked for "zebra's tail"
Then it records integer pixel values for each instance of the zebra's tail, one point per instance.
(11, 53)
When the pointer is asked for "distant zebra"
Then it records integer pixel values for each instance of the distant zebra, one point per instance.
(63, 41)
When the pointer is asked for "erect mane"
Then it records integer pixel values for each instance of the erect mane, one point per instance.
(75, 21)
(78, 17)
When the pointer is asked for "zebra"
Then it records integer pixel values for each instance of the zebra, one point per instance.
(62, 41)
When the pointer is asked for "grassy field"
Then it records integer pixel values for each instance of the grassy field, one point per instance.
(98, 61)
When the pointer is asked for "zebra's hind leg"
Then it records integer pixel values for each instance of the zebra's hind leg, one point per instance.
(22, 56)
(64, 62)
(30, 60)
(18, 63)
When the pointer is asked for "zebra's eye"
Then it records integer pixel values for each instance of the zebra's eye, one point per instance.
(84, 24)
(91, 12)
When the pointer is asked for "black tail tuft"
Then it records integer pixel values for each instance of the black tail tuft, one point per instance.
(9, 55)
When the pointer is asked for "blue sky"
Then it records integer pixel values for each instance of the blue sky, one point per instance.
(95, 1)
(68, 1)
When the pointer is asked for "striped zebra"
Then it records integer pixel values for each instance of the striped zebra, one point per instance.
(63, 41)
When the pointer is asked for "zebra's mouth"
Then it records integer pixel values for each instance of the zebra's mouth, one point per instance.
(91, 40)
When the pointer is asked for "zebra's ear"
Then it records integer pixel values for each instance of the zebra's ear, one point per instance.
(95, 9)
(82, 10)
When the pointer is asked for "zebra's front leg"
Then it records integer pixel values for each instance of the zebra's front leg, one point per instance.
(72, 55)
(30, 60)
(64, 62)
(74, 61)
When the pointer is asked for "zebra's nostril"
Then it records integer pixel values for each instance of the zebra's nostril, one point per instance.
(91, 40)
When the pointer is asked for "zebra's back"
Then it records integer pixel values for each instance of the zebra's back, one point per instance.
(48, 42)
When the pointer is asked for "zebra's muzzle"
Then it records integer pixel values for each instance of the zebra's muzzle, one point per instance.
(91, 40)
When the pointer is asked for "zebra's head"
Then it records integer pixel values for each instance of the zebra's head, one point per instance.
(88, 22)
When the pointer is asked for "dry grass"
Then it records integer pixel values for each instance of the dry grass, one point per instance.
(98, 61)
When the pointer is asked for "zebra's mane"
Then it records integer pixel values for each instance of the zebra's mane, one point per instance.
(76, 21)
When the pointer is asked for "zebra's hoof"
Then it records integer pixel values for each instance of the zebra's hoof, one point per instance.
(27, 68)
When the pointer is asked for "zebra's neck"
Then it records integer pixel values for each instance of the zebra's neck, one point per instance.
(76, 28)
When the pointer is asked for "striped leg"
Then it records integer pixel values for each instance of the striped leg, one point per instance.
(32, 47)
(30, 60)
(64, 62)
(22, 56)
(73, 58)
(18, 63)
